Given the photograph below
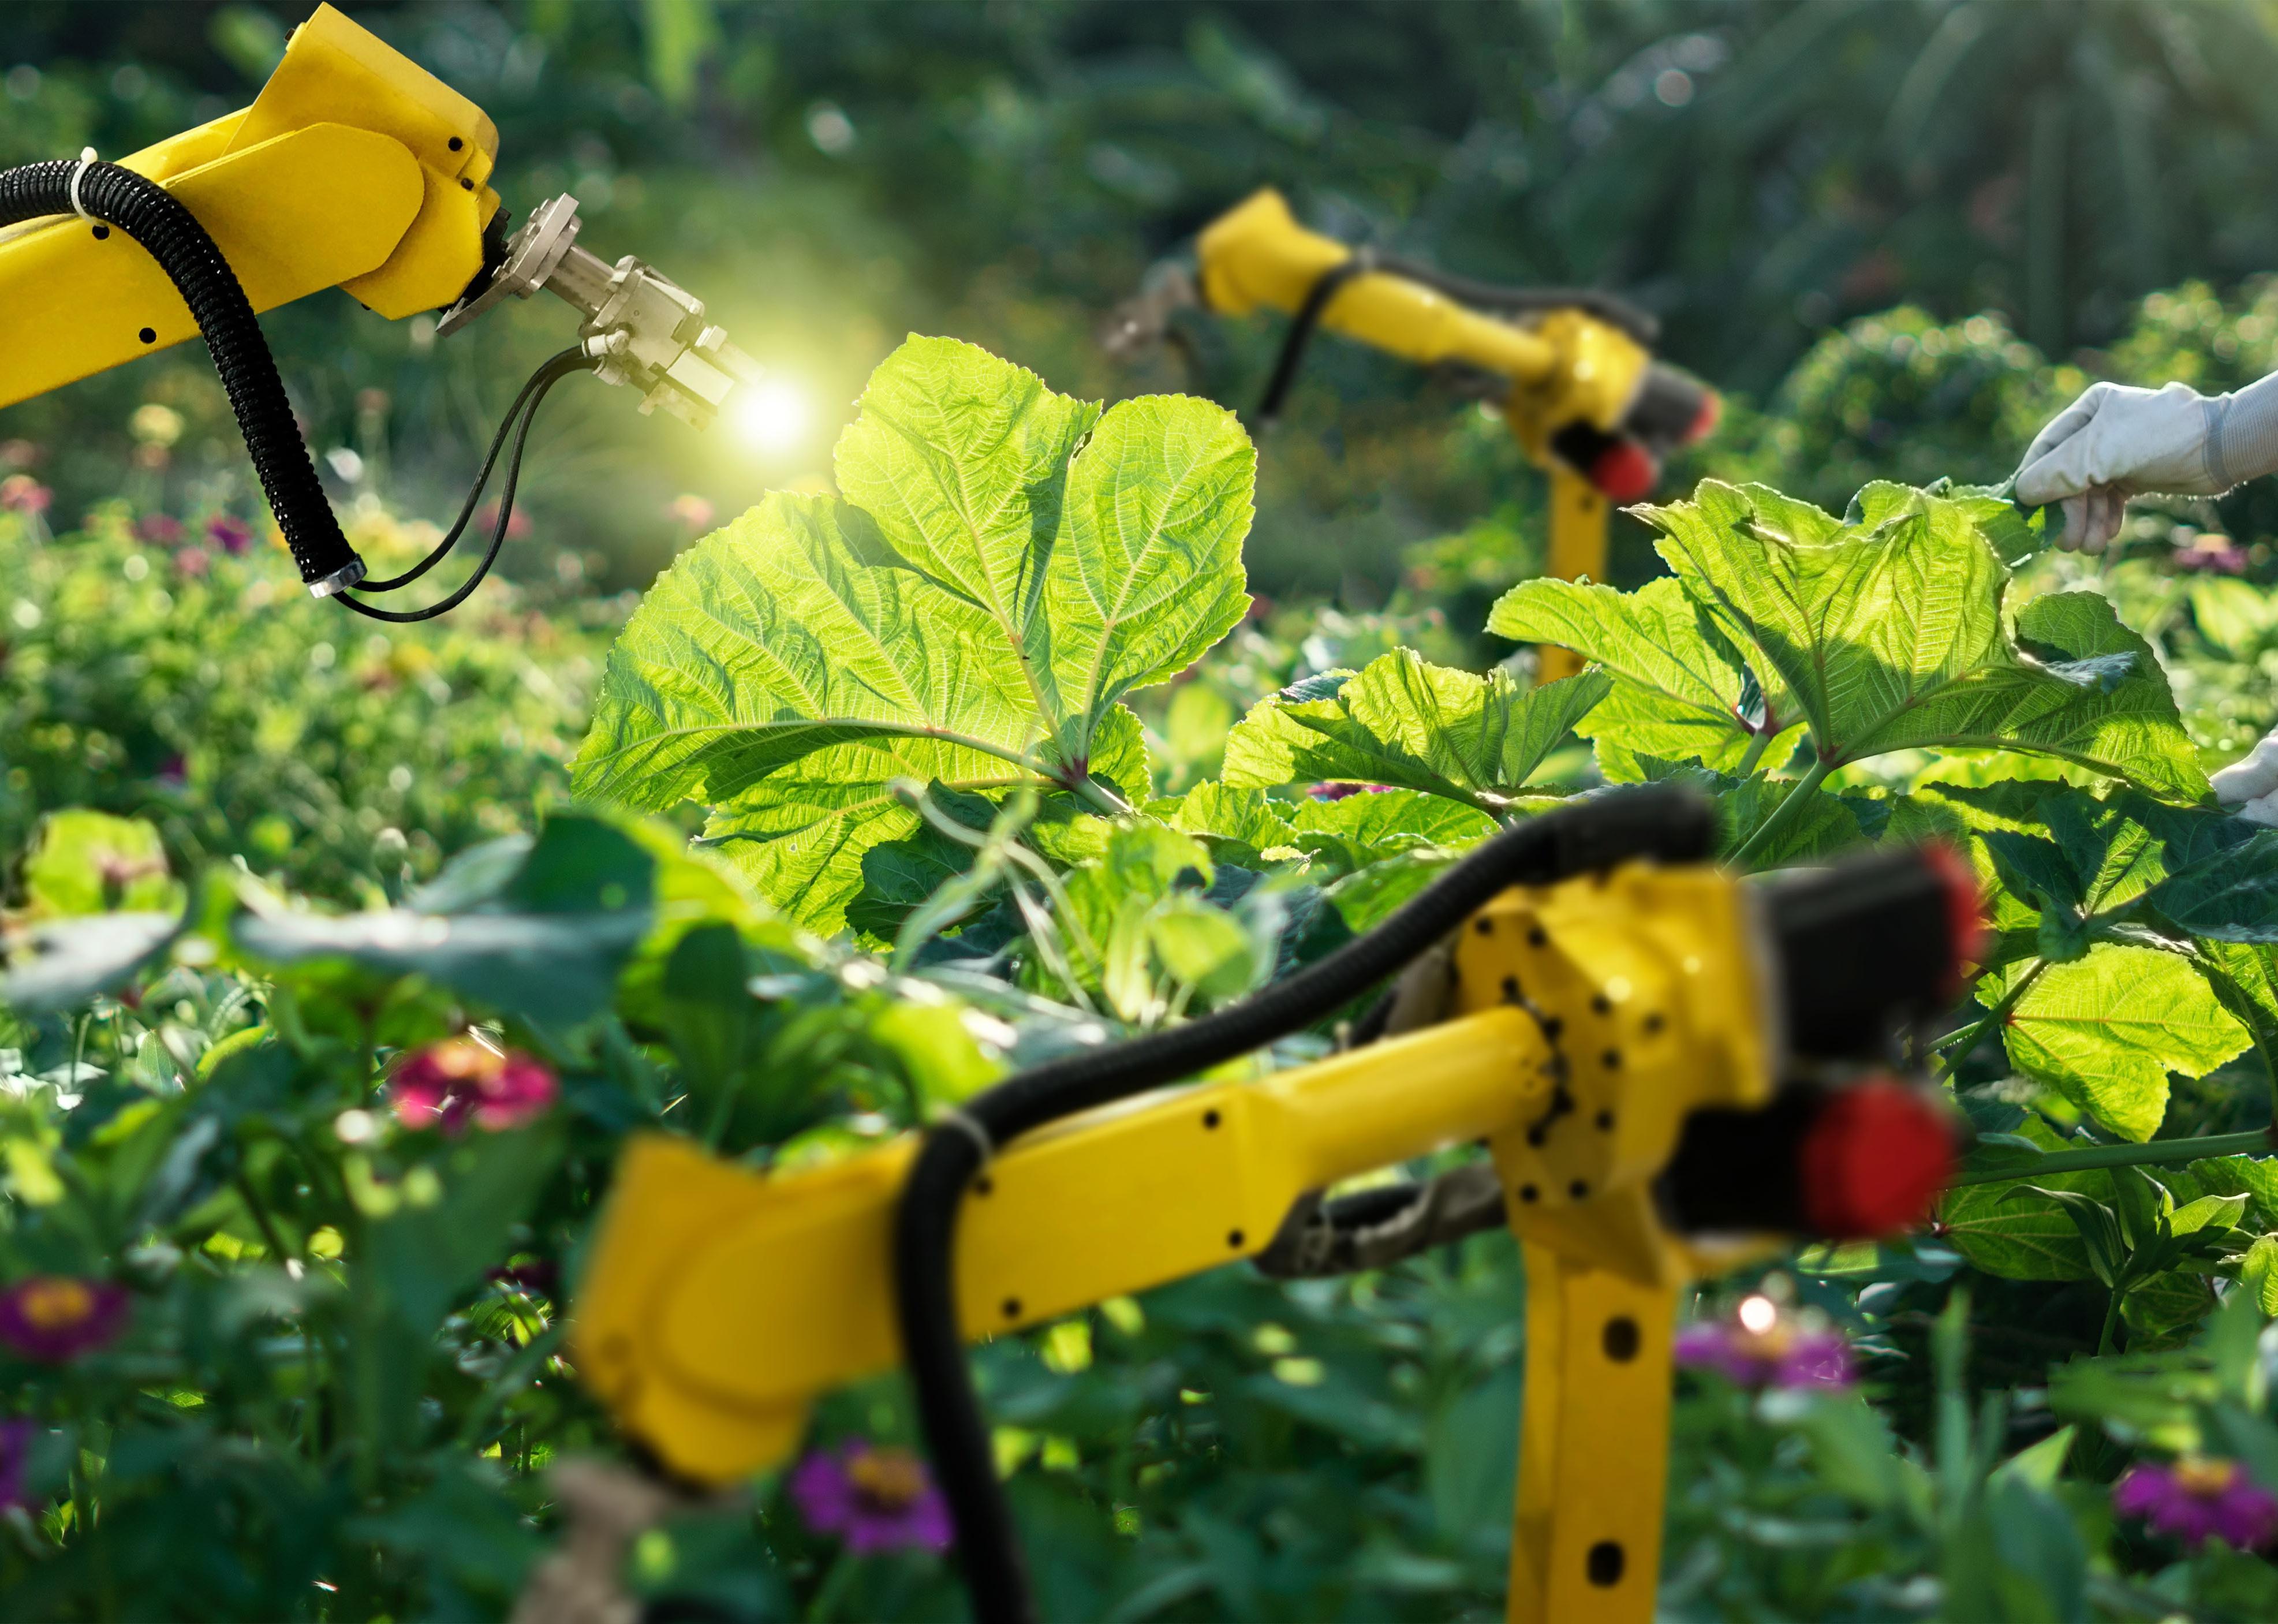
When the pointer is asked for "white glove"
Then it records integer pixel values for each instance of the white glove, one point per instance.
(2250, 785)
(2114, 443)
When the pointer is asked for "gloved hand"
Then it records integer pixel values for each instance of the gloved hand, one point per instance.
(2249, 786)
(2115, 442)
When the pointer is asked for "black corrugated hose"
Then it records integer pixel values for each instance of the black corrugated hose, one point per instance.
(110, 195)
(1658, 822)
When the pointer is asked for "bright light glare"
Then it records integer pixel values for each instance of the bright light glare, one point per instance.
(1758, 1315)
(771, 415)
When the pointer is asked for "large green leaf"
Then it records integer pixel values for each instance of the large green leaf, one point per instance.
(1680, 691)
(2009, 1230)
(1885, 632)
(1403, 722)
(1355, 830)
(540, 928)
(1005, 565)
(2108, 1029)
(1825, 824)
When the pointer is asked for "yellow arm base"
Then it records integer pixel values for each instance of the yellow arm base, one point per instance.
(354, 167)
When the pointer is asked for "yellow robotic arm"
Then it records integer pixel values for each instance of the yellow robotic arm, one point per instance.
(352, 168)
(1617, 1041)
(1584, 397)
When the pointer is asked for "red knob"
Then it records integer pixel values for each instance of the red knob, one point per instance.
(1874, 1160)
(1625, 471)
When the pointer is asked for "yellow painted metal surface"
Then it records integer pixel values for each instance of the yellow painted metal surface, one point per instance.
(1593, 1473)
(1257, 254)
(73, 304)
(1578, 517)
(1587, 1021)
(720, 1302)
(343, 173)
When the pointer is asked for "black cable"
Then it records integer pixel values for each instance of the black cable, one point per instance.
(1480, 295)
(1659, 821)
(553, 372)
(442, 548)
(1302, 328)
(172, 236)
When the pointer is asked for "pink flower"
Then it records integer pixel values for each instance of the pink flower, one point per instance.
(691, 511)
(192, 560)
(1338, 791)
(53, 1317)
(2195, 1500)
(164, 528)
(517, 524)
(445, 1085)
(174, 771)
(874, 1499)
(16, 1438)
(22, 494)
(2211, 554)
(1761, 1346)
(230, 533)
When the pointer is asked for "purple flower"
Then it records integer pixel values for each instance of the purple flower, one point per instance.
(874, 1499)
(2195, 1499)
(446, 1084)
(53, 1317)
(1338, 791)
(164, 528)
(16, 1438)
(1760, 1346)
(230, 533)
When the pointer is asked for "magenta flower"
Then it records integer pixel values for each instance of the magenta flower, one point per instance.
(1338, 791)
(2195, 1500)
(230, 533)
(874, 1499)
(192, 560)
(54, 1318)
(164, 528)
(1760, 1346)
(22, 494)
(16, 1438)
(542, 1277)
(174, 771)
(446, 1084)
(691, 511)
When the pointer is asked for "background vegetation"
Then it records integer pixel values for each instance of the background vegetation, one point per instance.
(1900, 231)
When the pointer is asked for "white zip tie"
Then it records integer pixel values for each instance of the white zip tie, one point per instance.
(86, 158)
(971, 1130)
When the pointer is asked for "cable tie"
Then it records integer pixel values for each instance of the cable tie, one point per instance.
(87, 160)
(971, 1130)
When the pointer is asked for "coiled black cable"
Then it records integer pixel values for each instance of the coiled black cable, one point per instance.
(572, 360)
(1658, 822)
(171, 234)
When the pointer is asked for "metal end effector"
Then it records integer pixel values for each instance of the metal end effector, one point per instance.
(643, 328)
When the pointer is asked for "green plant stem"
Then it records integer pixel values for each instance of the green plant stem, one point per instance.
(2158, 1153)
(1105, 801)
(1755, 754)
(511, 1380)
(2103, 1340)
(1964, 1041)
(1784, 814)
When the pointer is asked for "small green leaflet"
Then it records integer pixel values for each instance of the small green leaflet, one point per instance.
(1884, 631)
(1403, 722)
(2107, 1028)
(1680, 689)
(1005, 565)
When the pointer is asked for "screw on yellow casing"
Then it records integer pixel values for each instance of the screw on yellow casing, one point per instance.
(1564, 366)
(1590, 1018)
(354, 168)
